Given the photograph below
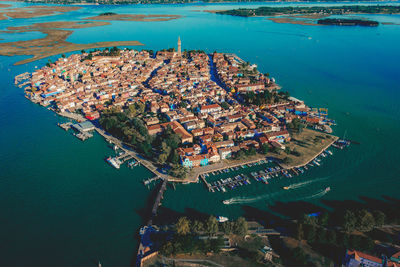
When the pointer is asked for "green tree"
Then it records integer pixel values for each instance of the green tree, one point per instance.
(162, 158)
(167, 249)
(264, 149)
(140, 107)
(183, 226)
(197, 227)
(349, 221)
(145, 147)
(227, 227)
(252, 151)
(240, 154)
(240, 226)
(174, 157)
(211, 226)
(287, 160)
(131, 111)
(178, 171)
(225, 105)
(379, 217)
(365, 221)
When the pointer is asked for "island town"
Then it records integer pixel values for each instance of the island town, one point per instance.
(184, 114)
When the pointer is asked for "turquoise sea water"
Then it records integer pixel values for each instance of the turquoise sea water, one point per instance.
(62, 205)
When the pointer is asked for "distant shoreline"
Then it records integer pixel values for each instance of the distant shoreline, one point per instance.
(184, 2)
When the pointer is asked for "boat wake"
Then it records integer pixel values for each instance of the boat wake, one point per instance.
(252, 199)
(246, 200)
(302, 184)
(319, 194)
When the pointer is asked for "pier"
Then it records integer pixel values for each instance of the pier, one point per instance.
(66, 126)
(209, 187)
(144, 249)
(124, 157)
(148, 181)
(157, 203)
(83, 136)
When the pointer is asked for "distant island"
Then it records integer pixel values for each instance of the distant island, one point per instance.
(313, 10)
(314, 15)
(348, 22)
(118, 2)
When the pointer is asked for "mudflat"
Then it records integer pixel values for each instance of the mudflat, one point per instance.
(134, 17)
(55, 40)
(36, 11)
(300, 19)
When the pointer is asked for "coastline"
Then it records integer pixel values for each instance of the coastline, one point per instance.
(188, 3)
(195, 173)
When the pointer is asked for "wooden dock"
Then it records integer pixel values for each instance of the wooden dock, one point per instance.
(209, 187)
(141, 254)
(157, 203)
(148, 181)
(66, 126)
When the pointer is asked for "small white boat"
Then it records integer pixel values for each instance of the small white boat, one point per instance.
(222, 219)
(327, 189)
(226, 202)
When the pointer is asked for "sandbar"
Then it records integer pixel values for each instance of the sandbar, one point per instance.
(292, 20)
(134, 17)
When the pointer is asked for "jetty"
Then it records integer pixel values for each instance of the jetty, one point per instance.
(144, 250)
(157, 203)
(124, 157)
(22, 77)
(66, 126)
(83, 135)
(208, 185)
(148, 181)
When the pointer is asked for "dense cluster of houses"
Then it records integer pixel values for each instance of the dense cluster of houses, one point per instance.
(194, 93)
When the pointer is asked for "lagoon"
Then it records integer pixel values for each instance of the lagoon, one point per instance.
(62, 205)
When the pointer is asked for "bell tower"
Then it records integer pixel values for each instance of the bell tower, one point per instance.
(179, 47)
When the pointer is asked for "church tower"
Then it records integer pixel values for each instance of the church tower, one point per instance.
(179, 47)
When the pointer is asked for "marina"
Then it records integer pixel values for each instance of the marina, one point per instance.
(269, 170)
